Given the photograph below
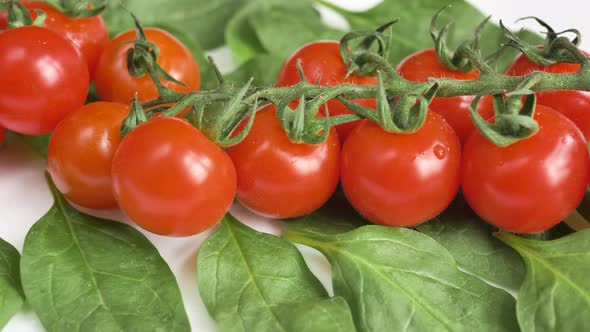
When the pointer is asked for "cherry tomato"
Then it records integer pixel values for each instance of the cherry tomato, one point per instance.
(114, 83)
(170, 179)
(44, 77)
(419, 66)
(532, 184)
(89, 34)
(81, 152)
(571, 103)
(278, 178)
(321, 60)
(401, 179)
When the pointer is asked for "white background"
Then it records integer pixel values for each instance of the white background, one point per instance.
(24, 197)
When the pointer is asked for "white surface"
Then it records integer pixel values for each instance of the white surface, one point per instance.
(24, 197)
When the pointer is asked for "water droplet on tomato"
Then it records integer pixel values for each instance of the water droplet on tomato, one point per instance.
(439, 151)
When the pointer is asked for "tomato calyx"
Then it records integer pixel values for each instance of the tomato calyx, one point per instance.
(19, 16)
(513, 119)
(136, 117)
(142, 59)
(556, 48)
(368, 55)
(405, 115)
(79, 8)
(467, 56)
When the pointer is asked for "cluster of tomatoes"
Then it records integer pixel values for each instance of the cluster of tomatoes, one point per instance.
(171, 180)
(406, 179)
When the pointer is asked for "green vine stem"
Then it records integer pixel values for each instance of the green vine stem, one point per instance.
(217, 113)
(394, 87)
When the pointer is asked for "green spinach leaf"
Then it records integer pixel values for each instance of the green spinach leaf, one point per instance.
(469, 239)
(580, 219)
(303, 24)
(396, 279)
(555, 295)
(412, 33)
(263, 68)
(203, 20)
(252, 281)
(262, 26)
(11, 292)
(81, 273)
(334, 217)
(38, 143)
(329, 315)
(239, 33)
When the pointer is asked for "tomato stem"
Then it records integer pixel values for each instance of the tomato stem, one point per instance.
(409, 100)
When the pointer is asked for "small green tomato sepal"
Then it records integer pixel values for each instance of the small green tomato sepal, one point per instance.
(403, 116)
(18, 15)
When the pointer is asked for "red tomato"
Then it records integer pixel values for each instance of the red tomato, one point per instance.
(572, 103)
(89, 34)
(44, 77)
(401, 179)
(170, 179)
(532, 184)
(81, 152)
(114, 83)
(418, 67)
(278, 178)
(321, 60)
(2, 133)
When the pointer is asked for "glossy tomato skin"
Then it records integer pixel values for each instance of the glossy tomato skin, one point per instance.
(89, 34)
(44, 77)
(321, 60)
(573, 104)
(278, 178)
(170, 179)
(419, 66)
(401, 179)
(530, 185)
(81, 151)
(114, 83)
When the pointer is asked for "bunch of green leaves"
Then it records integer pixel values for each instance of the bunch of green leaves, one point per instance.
(451, 273)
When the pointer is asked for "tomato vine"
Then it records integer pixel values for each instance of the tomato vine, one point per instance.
(366, 51)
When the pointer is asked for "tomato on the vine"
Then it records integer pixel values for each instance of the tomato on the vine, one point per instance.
(401, 179)
(279, 178)
(321, 60)
(44, 77)
(81, 151)
(419, 66)
(532, 184)
(573, 104)
(89, 34)
(170, 179)
(115, 83)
